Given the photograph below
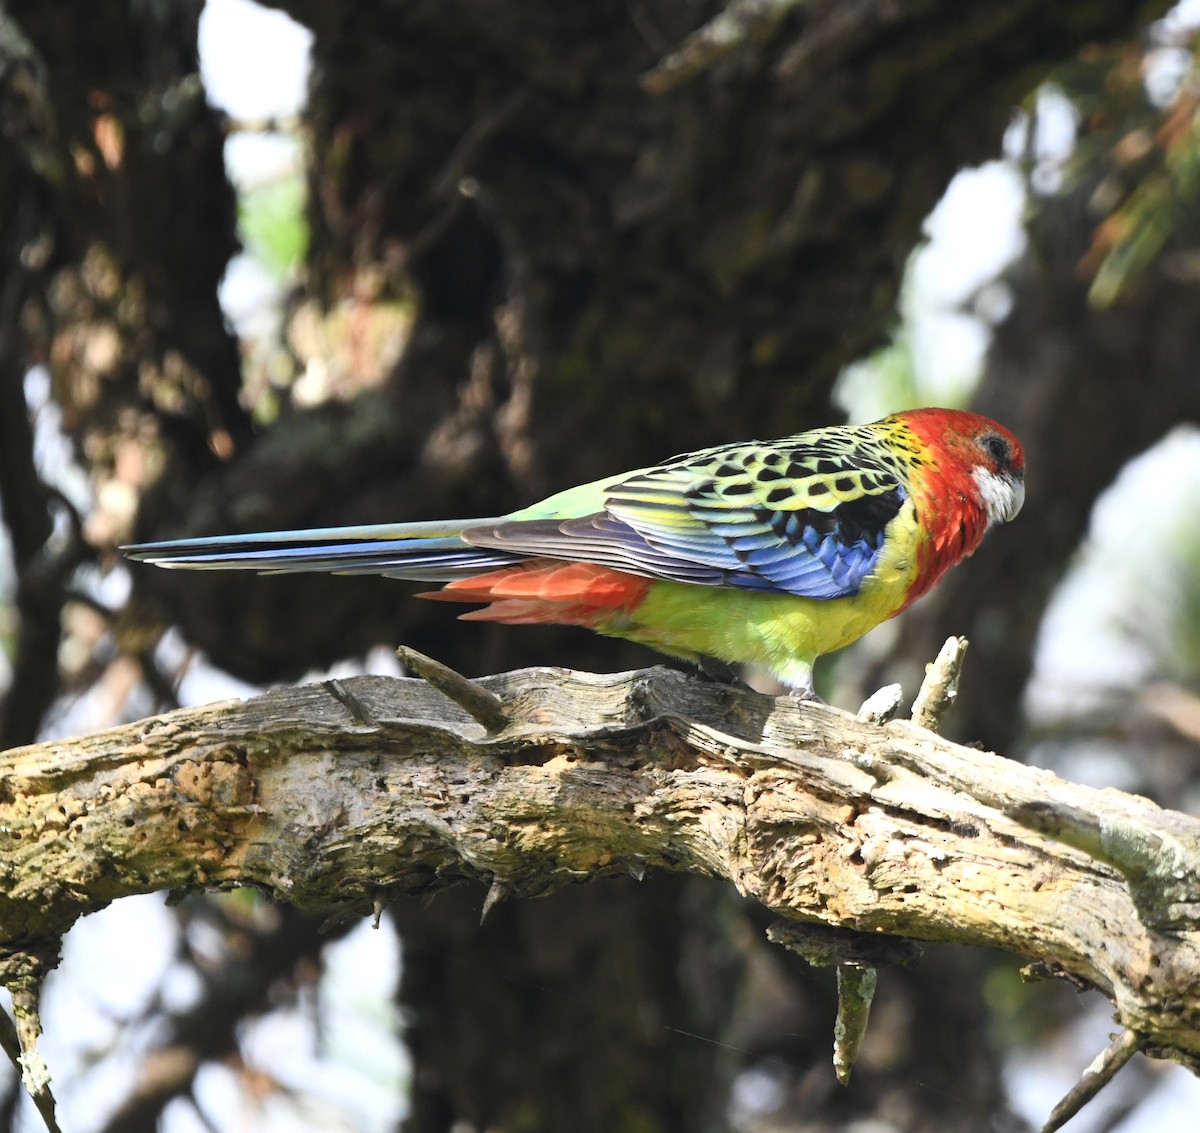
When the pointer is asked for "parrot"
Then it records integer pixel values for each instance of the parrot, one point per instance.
(762, 553)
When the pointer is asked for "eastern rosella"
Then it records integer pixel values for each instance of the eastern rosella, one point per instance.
(769, 553)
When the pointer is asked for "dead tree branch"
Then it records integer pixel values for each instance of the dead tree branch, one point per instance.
(345, 801)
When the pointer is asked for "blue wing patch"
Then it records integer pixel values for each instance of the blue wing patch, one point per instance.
(688, 537)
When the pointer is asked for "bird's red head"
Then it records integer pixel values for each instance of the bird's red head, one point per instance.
(985, 452)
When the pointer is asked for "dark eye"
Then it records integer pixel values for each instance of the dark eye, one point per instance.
(997, 448)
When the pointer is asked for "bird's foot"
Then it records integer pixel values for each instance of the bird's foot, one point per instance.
(720, 672)
(805, 694)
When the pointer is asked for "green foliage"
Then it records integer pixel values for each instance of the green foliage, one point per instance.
(1179, 645)
(273, 226)
(1146, 163)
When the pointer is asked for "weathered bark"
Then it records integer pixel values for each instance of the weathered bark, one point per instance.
(385, 789)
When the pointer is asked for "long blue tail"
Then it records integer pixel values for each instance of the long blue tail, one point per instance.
(423, 552)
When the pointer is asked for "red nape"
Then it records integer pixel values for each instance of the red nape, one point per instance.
(550, 591)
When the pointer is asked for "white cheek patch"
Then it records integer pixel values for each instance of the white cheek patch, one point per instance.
(1002, 495)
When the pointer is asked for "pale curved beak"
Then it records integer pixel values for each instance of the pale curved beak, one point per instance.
(1018, 499)
(1002, 495)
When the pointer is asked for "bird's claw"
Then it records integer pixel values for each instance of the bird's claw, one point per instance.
(804, 695)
